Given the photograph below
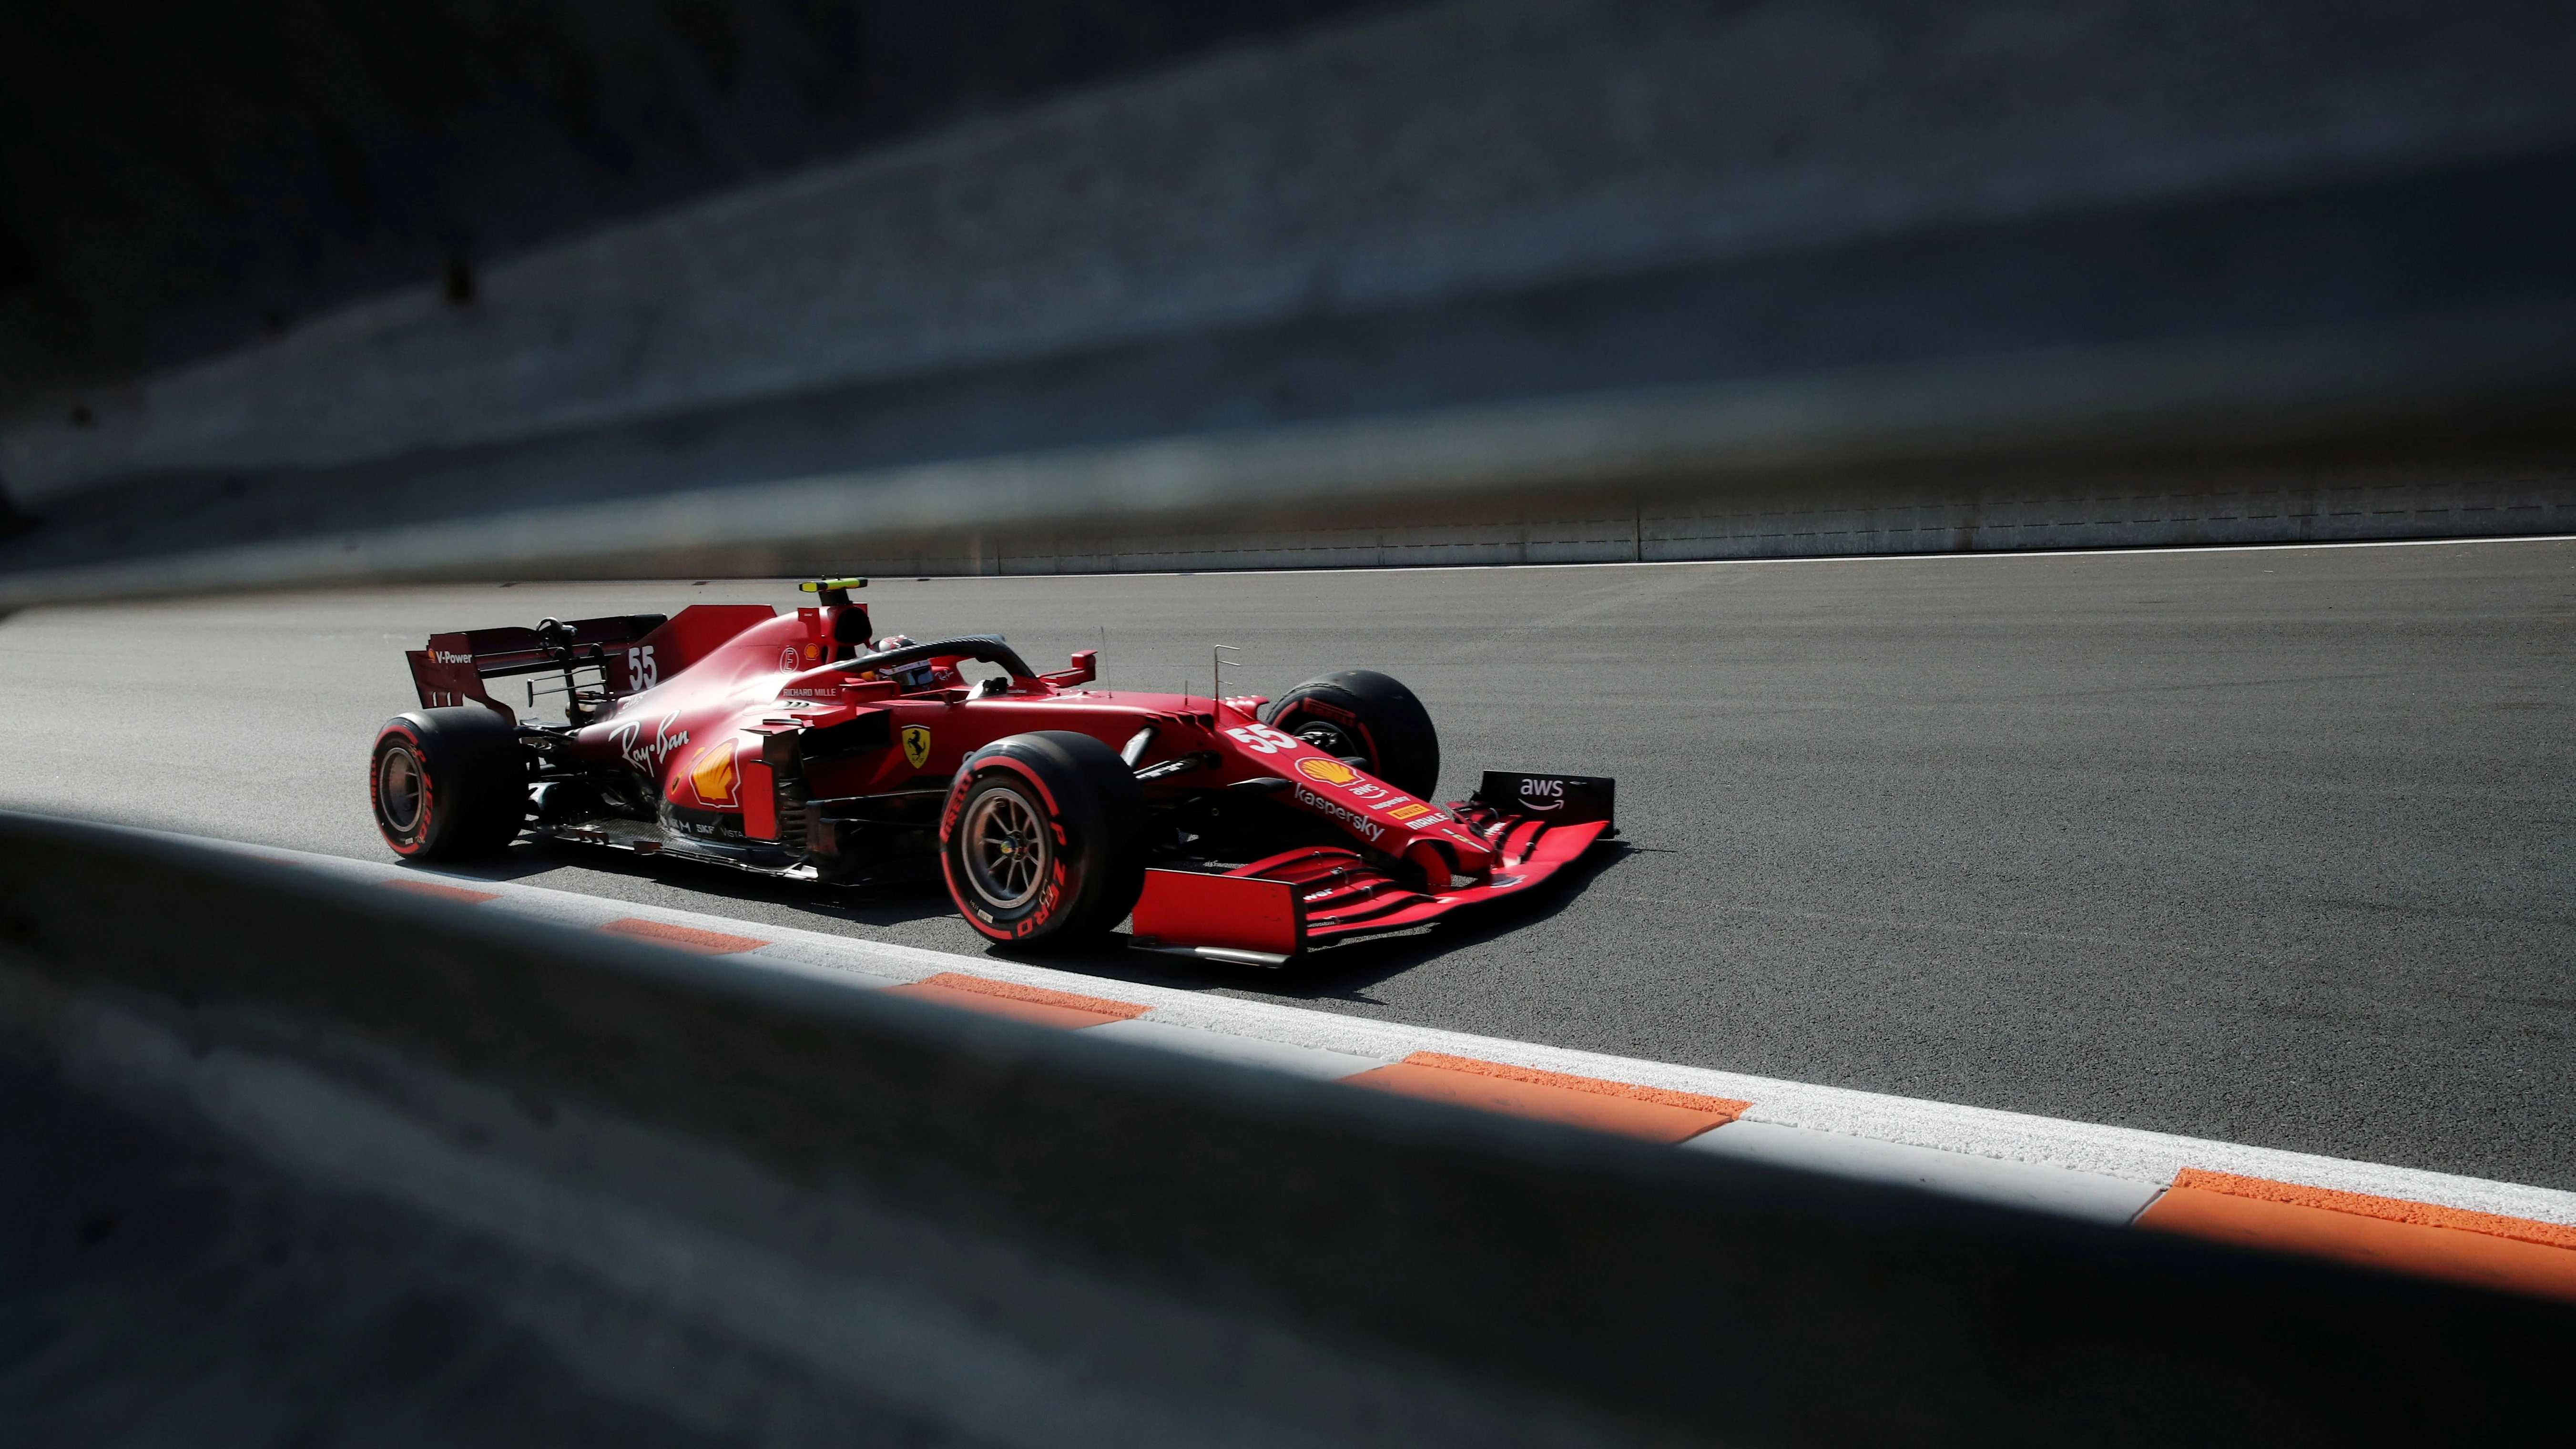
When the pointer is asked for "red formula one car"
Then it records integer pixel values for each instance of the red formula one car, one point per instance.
(802, 745)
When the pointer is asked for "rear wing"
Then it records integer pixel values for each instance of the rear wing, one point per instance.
(633, 652)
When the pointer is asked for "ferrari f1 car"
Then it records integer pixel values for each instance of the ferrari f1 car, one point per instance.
(802, 745)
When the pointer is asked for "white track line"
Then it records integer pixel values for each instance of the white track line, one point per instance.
(2077, 1168)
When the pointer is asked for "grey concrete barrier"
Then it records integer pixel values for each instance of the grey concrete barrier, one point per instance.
(1462, 283)
(295, 1161)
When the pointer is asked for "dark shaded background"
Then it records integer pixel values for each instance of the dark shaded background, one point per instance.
(179, 179)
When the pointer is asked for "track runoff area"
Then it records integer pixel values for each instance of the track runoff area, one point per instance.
(2216, 891)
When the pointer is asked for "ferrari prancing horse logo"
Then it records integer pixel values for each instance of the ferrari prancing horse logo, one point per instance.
(916, 744)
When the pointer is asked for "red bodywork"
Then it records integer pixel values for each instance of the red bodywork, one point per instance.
(700, 706)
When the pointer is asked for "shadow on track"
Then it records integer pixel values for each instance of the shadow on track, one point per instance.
(895, 901)
(1337, 973)
(1343, 973)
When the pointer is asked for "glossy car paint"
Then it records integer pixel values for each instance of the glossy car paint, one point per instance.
(697, 735)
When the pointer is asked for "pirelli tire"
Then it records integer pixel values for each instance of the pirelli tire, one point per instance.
(448, 784)
(1042, 840)
(1362, 712)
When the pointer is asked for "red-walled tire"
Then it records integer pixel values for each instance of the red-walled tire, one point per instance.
(1362, 712)
(448, 784)
(1043, 840)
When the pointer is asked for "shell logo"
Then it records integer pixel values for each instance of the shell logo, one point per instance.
(713, 776)
(1329, 772)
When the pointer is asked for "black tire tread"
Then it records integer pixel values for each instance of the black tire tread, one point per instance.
(478, 768)
(1403, 746)
(1103, 809)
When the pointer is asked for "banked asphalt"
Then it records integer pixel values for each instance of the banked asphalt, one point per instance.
(2267, 846)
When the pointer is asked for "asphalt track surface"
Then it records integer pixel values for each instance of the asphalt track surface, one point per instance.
(2265, 845)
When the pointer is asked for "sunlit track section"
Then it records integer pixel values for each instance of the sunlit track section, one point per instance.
(2489, 1234)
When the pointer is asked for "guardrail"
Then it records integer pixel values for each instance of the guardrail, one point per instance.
(295, 1158)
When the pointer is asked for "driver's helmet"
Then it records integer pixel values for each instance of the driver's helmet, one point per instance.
(879, 646)
(918, 675)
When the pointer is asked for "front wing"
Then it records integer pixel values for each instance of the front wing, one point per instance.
(1269, 911)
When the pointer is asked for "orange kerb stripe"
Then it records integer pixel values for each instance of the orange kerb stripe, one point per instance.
(1687, 1101)
(683, 938)
(1604, 1106)
(437, 892)
(2516, 1255)
(2393, 1209)
(1033, 1004)
(1117, 1010)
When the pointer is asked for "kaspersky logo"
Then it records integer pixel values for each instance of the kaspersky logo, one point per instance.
(1368, 829)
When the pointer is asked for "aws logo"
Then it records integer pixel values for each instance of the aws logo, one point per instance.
(1542, 794)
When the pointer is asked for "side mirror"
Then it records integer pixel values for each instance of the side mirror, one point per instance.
(1086, 668)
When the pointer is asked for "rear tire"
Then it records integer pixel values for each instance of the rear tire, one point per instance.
(1362, 712)
(448, 784)
(1043, 840)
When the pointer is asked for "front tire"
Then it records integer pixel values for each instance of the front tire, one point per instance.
(1043, 840)
(1362, 712)
(448, 784)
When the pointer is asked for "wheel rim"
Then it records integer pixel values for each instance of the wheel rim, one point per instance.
(1328, 737)
(1008, 848)
(398, 789)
